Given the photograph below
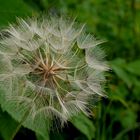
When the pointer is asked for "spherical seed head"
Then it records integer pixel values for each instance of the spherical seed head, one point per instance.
(50, 68)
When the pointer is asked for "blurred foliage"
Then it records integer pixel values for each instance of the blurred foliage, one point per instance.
(117, 21)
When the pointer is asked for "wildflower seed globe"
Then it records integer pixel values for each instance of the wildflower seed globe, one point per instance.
(49, 69)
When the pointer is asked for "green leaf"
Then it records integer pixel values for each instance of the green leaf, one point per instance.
(129, 118)
(118, 66)
(39, 125)
(21, 113)
(118, 94)
(134, 67)
(39, 137)
(8, 126)
(84, 125)
(123, 132)
(126, 117)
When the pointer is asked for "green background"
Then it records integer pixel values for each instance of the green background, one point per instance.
(117, 21)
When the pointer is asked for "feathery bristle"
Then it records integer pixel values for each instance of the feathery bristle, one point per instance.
(47, 72)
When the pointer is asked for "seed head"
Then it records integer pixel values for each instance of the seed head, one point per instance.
(49, 68)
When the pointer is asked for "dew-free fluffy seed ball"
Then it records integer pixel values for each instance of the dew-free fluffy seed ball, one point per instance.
(50, 69)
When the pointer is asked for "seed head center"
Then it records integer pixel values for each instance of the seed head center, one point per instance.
(47, 73)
